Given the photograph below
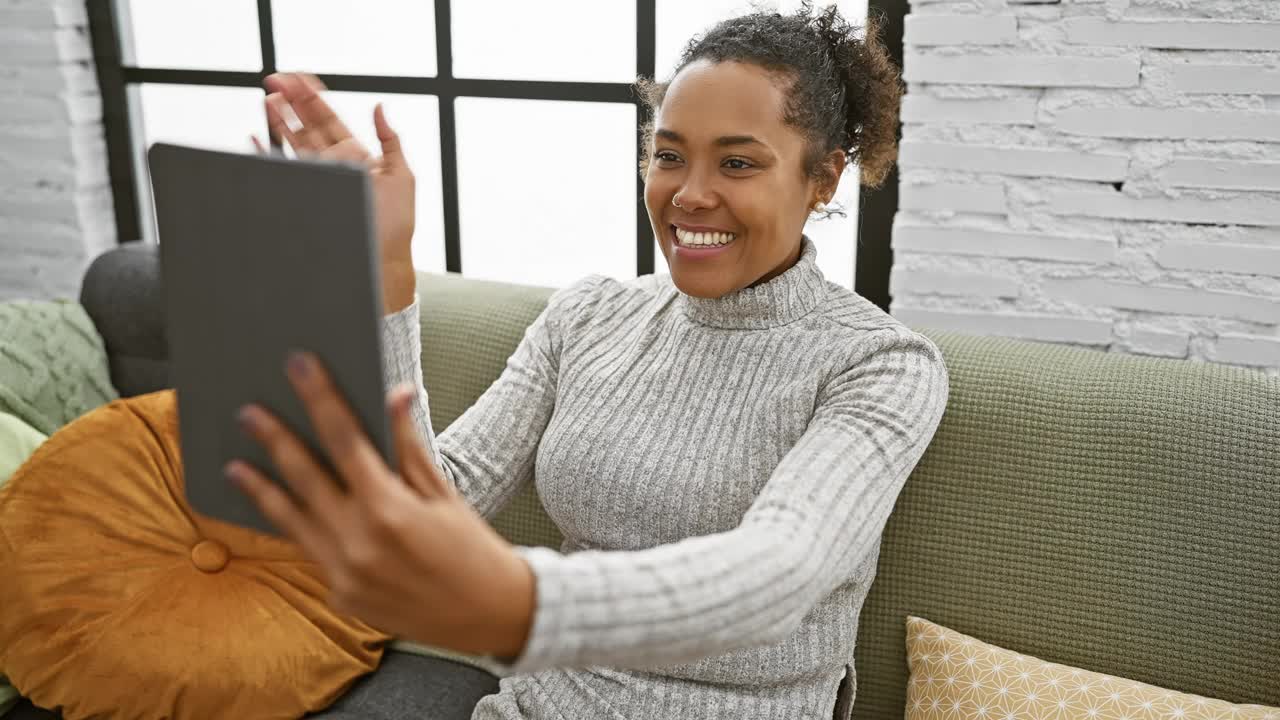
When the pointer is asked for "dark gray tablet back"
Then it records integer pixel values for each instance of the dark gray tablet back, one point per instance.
(259, 256)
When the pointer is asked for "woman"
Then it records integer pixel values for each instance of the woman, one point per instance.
(720, 446)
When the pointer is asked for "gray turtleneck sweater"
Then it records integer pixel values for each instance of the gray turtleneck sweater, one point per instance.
(721, 469)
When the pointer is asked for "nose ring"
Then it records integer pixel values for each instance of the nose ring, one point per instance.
(674, 202)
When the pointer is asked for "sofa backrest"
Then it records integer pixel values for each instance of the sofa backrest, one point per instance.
(1110, 512)
(1115, 513)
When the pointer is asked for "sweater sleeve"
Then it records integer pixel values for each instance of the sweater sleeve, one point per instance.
(817, 518)
(488, 452)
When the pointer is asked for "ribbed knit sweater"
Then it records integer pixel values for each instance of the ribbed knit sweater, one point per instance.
(721, 469)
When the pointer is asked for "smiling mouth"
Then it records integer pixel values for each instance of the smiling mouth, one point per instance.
(687, 239)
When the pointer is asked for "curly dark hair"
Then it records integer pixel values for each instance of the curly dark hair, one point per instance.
(843, 89)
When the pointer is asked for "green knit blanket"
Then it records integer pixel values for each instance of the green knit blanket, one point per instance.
(53, 365)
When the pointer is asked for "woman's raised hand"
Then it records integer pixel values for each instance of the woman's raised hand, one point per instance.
(299, 116)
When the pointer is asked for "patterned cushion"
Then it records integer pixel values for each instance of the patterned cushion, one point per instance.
(957, 677)
(53, 366)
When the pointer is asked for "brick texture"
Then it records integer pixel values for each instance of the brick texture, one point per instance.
(1169, 123)
(55, 200)
(1023, 161)
(1022, 70)
(1193, 172)
(920, 108)
(1214, 79)
(1161, 343)
(953, 197)
(961, 30)
(1189, 34)
(1107, 175)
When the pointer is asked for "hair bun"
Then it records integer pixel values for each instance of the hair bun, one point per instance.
(871, 87)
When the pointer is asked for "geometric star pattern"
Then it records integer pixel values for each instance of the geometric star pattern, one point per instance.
(957, 677)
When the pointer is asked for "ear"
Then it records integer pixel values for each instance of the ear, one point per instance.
(833, 167)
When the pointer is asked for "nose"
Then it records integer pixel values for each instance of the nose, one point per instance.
(697, 193)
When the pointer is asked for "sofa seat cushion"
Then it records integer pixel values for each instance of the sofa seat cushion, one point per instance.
(957, 676)
(120, 601)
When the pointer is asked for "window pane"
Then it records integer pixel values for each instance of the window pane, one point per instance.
(416, 118)
(221, 118)
(218, 118)
(680, 20)
(356, 37)
(196, 34)
(855, 11)
(547, 190)
(568, 40)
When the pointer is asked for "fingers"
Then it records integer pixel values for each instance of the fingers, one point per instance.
(416, 466)
(389, 139)
(309, 480)
(350, 150)
(262, 148)
(341, 434)
(284, 126)
(302, 92)
(279, 508)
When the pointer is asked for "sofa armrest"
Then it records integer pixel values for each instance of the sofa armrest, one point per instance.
(123, 295)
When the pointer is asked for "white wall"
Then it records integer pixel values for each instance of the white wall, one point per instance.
(55, 201)
(1096, 172)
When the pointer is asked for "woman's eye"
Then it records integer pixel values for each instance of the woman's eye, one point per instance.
(737, 164)
(666, 156)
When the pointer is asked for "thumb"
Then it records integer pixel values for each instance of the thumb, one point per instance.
(417, 468)
(390, 141)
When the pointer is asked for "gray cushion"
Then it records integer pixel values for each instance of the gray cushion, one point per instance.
(122, 293)
(407, 686)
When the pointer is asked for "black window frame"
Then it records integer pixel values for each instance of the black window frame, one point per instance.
(876, 207)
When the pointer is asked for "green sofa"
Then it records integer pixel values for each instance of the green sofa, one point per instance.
(1115, 513)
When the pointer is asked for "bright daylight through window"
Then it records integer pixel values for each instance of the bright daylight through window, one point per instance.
(536, 177)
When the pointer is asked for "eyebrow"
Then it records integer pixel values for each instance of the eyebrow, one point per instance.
(722, 141)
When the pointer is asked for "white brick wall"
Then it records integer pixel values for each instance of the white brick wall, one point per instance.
(55, 201)
(1103, 173)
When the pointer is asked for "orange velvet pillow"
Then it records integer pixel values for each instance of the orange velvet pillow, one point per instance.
(116, 600)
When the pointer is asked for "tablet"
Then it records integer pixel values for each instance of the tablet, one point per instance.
(261, 255)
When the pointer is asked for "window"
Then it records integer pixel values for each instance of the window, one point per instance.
(473, 120)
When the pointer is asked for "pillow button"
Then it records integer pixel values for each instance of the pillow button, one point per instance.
(209, 556)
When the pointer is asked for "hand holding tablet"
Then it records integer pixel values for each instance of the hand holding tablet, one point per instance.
(262, 256)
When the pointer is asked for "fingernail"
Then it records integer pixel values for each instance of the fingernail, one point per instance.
(232, 471)
(248, 423)
(299, 365)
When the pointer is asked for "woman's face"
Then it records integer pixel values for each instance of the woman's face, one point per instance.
(722, 150)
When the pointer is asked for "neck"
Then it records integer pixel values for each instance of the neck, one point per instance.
(782, 297)
(792, 258)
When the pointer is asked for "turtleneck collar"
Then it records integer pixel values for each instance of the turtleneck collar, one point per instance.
(784, 299)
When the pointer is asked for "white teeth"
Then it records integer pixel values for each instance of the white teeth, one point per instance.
(700, 238)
